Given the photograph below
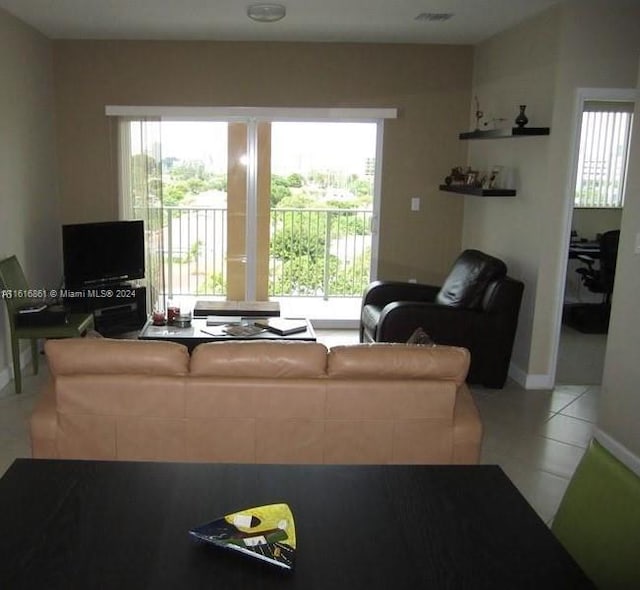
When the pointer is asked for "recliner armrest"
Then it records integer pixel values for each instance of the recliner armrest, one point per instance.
(383, 292)
(444, 324)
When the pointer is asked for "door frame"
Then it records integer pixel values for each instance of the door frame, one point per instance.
(582, 95)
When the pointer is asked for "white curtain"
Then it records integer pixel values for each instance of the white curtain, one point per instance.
(141, 195)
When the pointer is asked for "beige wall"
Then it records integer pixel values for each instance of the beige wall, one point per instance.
(514, 68)
(590, 222)
(428, 84)
(541, 63)
(29, 217)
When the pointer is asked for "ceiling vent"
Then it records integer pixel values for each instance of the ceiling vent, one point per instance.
(434, 16)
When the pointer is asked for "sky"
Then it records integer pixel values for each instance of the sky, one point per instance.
(295, 146)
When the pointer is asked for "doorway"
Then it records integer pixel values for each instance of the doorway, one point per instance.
(603, 132)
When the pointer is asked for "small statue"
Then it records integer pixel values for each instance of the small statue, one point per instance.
(479, 113)
(522, 119)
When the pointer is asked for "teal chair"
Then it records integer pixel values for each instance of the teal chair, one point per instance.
(13, 283)
(598, 520)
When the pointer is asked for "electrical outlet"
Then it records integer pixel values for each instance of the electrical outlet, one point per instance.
(415, 203)
(413, 280)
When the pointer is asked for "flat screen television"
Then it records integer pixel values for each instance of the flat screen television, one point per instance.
(102, 253)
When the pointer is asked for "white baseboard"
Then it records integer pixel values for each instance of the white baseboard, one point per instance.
(6, 374)
(619, 451)
(528, 381)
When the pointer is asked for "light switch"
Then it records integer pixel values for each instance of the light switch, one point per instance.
(415, 203)
(637, 248)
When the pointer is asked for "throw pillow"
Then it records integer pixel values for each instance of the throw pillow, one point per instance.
(419, 336)
(93, 334)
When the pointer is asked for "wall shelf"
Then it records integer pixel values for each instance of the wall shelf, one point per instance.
(505, 133)
(478, 192)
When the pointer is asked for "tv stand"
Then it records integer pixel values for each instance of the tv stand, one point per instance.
(116, 308)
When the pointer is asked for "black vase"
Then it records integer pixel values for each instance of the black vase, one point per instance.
(522, 119)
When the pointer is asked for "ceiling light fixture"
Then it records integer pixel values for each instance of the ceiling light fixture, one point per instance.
(434, 16)
(266, 13)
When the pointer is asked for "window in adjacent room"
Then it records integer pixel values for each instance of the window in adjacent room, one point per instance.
(602, 161)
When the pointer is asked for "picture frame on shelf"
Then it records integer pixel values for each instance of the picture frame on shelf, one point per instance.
(471, 178)
(494, 177)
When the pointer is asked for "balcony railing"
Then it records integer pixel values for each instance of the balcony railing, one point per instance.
(313, 252)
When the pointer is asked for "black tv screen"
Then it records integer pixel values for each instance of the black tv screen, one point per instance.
(101, 253)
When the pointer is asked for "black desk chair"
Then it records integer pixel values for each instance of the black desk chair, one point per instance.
(600, 280)
(14, 283)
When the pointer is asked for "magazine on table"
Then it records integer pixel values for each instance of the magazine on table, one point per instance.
(242, 330)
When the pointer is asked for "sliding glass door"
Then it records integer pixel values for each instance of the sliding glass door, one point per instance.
(322, 203)
(248, 208)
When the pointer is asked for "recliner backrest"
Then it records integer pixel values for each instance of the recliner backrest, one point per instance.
(471, 274)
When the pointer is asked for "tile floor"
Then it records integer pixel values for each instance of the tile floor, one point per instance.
(537, 437)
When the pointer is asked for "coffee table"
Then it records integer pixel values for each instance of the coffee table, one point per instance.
(199, 332)
(92, 524)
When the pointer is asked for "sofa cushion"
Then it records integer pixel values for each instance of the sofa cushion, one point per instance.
(259, 359)
(471, 274)
(399, 361)
(105, 356)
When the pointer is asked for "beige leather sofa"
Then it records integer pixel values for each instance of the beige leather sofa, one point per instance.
(258, 402)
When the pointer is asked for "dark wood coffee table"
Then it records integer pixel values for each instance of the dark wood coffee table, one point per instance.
(123, 525)
(199, 332)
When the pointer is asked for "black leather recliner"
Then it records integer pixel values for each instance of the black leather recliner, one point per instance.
(477, 307)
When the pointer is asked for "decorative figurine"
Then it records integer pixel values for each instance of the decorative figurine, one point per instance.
(479, 114)
(522, 119)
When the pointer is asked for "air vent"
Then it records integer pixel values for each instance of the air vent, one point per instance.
(434, 16)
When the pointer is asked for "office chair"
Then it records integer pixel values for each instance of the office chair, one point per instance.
(600, 280)
(13, 283)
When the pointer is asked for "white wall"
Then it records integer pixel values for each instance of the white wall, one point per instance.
(541, 63)
(619, 412)
(29, 218)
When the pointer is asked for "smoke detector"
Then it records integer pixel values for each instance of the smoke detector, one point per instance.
(266, 13)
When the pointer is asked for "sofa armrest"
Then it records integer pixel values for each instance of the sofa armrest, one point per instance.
(44, 425)
(381, 293)
(467, 429)
(445, 325)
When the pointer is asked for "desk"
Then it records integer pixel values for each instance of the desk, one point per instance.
(589, 248)
(123, 525)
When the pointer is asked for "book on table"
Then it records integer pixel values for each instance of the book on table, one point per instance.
(221, 320)
(282, 326)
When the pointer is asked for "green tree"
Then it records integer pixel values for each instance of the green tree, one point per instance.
(279, 189)
(174, 193)
(213, 285)
(295, 180)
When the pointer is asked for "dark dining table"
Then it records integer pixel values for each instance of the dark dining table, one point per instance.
(123, 525)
